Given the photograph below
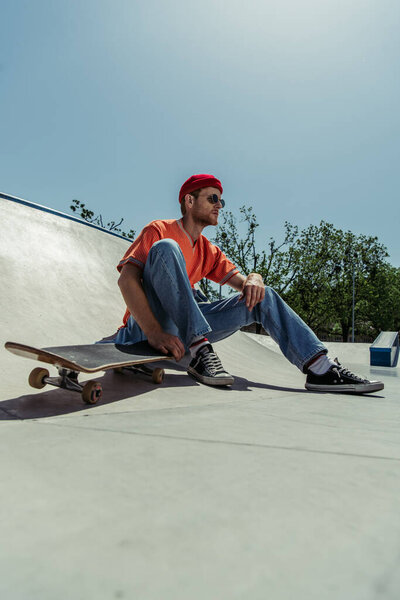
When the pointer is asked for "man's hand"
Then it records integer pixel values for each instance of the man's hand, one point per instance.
(167, 343)
(253, 290)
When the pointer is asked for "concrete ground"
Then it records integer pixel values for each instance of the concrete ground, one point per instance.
(182, 491)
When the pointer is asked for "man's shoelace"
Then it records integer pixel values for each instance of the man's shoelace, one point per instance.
(343, 372)
(212, 362)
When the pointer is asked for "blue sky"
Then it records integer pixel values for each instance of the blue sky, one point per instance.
(294, 105)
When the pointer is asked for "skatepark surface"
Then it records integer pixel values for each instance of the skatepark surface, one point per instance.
(181, 491)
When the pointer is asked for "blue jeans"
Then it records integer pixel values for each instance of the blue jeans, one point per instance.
(184, 312)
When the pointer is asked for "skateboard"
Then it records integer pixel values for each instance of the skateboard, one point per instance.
(72, 360)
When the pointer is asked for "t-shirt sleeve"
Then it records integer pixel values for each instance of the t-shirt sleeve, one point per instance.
(138, 251)
(223, 269)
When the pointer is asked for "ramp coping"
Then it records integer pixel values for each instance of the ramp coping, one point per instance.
(60, 214)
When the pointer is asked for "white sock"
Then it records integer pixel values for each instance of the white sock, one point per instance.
(197, 343)
(321, 365)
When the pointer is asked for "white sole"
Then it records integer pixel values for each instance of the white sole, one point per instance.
(228, 380)
(360, 388)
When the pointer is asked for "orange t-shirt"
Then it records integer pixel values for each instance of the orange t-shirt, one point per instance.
(203, 259)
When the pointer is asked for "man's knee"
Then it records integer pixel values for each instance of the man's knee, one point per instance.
(271, 298)
(270, 293)
(166, 247)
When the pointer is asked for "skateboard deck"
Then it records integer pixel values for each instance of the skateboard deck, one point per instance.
(90, 358)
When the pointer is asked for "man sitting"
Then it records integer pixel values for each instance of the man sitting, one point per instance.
(158, 275)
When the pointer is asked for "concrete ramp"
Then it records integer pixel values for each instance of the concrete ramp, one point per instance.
(59, 281)
(180, 491)
(60, 276)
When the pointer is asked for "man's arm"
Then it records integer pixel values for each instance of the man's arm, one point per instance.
(251, 287)
(130, 283)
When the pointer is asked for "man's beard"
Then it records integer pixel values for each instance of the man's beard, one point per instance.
(205, 221)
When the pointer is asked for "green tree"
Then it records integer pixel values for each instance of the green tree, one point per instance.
(322, 290)
(275, 262)
(314, 256)
(383, 309)
(362, 257)
(313, 270)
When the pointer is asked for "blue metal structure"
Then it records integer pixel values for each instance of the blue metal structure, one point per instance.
(384, 351)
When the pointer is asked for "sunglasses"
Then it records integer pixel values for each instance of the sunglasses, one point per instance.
(213, 199)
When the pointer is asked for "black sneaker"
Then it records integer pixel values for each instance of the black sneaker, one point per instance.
(339, 379)
(207, 368)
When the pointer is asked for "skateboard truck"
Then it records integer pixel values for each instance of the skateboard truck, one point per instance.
(91, 390)
(90, 358)
(157, 375)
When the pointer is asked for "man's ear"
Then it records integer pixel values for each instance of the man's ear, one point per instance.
(190, 199)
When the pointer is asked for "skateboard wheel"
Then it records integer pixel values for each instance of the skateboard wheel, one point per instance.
(92, 392)
(157, 375)
(36, 378)
(118, 370)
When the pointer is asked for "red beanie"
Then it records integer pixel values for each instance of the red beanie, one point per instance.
(196, 182)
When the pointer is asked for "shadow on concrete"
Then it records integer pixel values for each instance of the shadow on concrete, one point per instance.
(57, 402)
(243, 384)
(240, 383)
